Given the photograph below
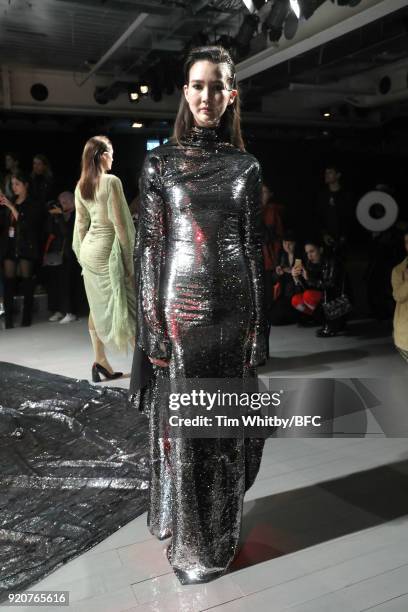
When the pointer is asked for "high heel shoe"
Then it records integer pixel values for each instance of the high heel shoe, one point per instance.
(97, 370)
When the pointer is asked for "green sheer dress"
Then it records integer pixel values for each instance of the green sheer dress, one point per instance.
(103, 242)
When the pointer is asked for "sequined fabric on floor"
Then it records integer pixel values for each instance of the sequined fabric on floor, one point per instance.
(73, 469)
(198, 267)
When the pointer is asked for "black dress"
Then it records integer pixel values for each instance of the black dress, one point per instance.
(199, 271)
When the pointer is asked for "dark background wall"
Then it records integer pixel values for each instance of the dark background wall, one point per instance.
(292, 163)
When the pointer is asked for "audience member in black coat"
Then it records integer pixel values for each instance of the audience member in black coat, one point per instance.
(321, 277)
(19, 246)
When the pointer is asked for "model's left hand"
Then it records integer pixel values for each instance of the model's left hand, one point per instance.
(159, 362)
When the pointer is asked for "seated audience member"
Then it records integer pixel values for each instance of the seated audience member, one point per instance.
(319, 278)
(59, 261)
(399, 281)
(281, 311)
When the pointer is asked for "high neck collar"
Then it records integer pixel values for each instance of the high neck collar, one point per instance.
(203, 136)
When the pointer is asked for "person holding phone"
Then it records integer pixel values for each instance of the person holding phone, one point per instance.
(319, 277)
(399, 281)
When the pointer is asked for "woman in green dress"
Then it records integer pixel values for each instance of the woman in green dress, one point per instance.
(103, 242)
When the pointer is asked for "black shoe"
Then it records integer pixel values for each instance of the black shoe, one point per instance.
(97, 369)
(326, 332)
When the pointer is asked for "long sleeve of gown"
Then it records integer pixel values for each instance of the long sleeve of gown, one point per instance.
(253, 252)
(149, 262)
(119, 215)
(82, 221)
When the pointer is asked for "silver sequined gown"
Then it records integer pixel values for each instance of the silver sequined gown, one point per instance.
(199, 284)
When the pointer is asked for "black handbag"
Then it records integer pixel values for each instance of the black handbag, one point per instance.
(338, 307)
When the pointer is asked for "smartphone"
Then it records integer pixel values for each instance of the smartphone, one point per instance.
(298, 263)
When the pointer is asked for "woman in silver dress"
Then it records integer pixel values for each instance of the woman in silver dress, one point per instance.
(198, 268)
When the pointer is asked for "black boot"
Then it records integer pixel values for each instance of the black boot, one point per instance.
(27, 285)
(9, 293)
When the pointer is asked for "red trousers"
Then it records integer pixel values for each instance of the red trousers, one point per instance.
(307, 301)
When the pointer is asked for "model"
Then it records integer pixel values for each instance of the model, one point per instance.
(103, 243)
(200, 300)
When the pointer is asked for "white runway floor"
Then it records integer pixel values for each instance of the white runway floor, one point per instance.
(324, 530)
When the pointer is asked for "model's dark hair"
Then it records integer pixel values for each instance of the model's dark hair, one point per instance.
(91, 165)
(44, 159)
(230, 122)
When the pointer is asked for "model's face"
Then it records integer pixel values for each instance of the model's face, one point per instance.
(19, 188)
(107, 159)
(289, 246)
(313, 253)
(208, 92)
(331, 176)
(38, 166)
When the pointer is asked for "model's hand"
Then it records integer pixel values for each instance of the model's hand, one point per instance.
(159, 362)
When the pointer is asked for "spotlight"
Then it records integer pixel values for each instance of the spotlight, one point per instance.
(133, 95)
(144, 89)
(276, 18)
(326, 113)
(137, 125)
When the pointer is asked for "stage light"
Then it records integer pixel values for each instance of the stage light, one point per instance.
(276, 18)
(134, 96)
(144, 89)
(326, 113)
(137, 125)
